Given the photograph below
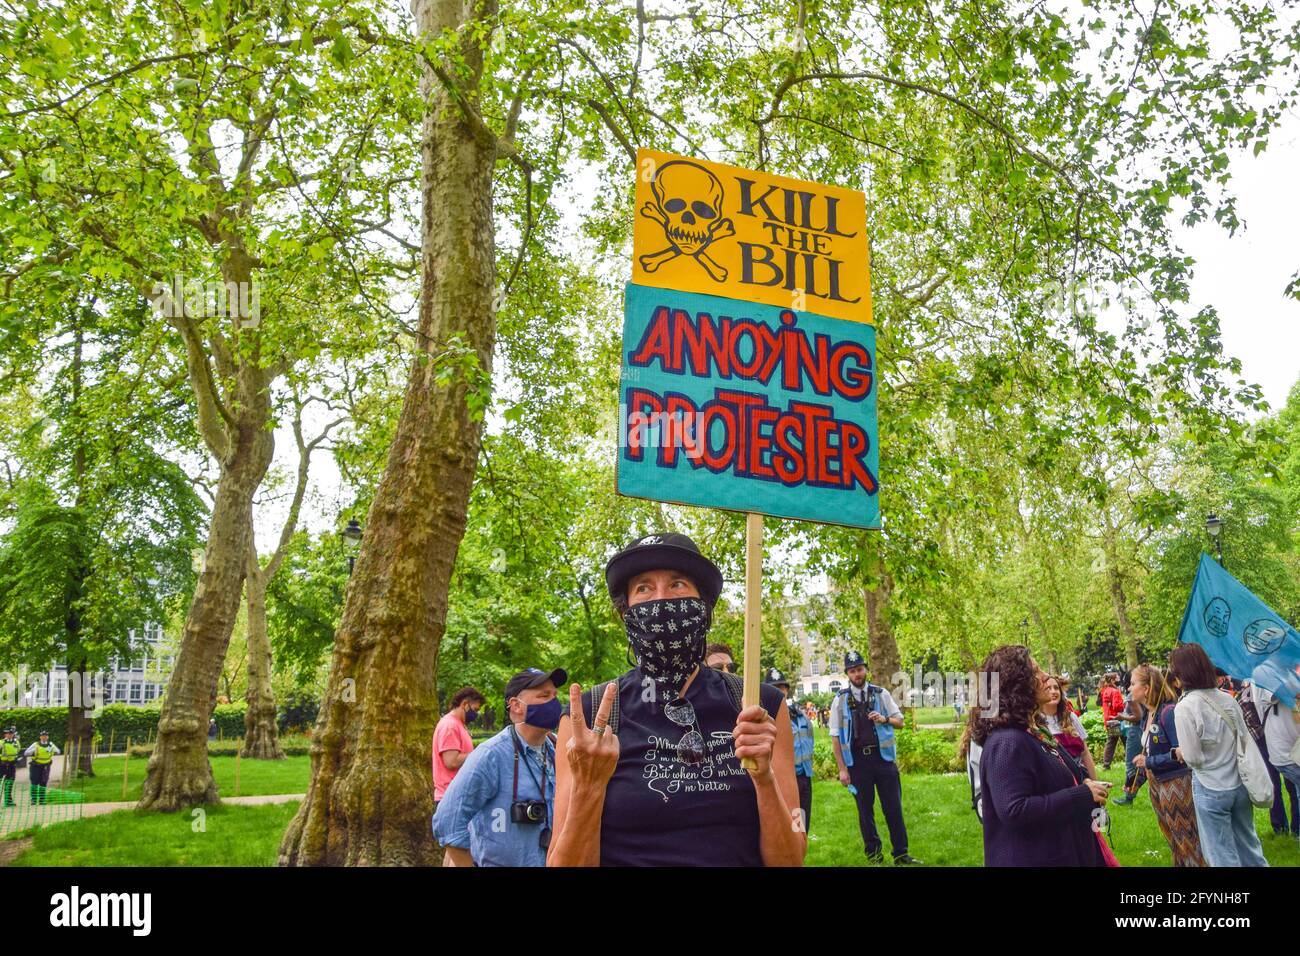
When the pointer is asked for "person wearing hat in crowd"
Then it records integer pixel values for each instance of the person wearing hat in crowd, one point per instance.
(801, 727)
(862, 724)
(42, 753)
(499, 808)
(649, 768)
(9, 750)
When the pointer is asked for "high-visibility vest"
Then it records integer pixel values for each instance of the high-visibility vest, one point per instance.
(44, 754)
(884, 731)
(9, 751)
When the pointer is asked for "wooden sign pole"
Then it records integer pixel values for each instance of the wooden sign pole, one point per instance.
(753, 612)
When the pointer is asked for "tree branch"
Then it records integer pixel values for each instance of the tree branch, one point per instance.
(979, 114)
(213, 415)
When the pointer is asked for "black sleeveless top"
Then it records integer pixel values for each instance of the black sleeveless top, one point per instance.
(662, 812)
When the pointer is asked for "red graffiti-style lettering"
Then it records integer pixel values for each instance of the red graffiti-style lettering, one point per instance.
(740, 433)
(707, 347)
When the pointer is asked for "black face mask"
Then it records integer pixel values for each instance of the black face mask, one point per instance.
(667, 638)
(471, 716)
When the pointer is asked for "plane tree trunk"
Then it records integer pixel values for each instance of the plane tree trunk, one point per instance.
(261, 736)
(370, 795)
(179, 774)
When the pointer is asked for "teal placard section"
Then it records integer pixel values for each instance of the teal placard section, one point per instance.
(748, 407)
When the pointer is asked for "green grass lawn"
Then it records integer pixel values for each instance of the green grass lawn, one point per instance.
(941, 826)
(230, 836)
(289, 775)
(935, 715)
(943, 831)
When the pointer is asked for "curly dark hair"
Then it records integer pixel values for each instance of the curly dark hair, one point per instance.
(1016, 694)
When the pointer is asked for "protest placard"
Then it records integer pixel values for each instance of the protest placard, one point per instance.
(749, 408)
(749, 371)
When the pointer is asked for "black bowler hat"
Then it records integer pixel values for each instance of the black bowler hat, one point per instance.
(853, 659)
(534, 677)
(657, 552)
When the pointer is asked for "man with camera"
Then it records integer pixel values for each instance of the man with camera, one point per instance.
(498, 809)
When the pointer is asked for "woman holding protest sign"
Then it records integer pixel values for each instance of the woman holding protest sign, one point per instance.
(656, 778)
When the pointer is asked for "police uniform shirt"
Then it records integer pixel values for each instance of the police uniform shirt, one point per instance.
(884, 704)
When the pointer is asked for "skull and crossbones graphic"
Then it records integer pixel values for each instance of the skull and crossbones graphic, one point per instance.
(688, 204)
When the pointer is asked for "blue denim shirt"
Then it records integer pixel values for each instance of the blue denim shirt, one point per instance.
(475, 810)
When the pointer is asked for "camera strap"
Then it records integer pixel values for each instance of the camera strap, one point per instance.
(514, 789)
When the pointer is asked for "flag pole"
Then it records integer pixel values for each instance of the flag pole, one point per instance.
(753, 612)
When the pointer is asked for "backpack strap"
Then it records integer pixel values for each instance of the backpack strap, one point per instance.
(1232, 724)
(591, 700)
(736, 688)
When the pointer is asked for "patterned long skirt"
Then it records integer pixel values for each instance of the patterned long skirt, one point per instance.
(1176, 814)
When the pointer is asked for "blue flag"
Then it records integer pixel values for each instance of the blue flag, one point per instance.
(1240, 633)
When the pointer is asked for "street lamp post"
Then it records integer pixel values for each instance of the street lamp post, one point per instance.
(1214, 525)
(352, 541)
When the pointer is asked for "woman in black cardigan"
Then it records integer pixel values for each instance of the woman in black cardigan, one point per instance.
(1036, 812)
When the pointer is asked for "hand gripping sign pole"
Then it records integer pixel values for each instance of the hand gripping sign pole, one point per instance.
(753, 612)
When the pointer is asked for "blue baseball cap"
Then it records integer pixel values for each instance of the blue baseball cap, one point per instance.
(535, 677)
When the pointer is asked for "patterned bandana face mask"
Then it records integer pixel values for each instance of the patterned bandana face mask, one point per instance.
(667, 638)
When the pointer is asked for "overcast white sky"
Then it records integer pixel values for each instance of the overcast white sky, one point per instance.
(1244, 275)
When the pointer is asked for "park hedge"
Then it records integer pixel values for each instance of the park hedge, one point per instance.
(116, 723)
(918, 751)
(292, 747)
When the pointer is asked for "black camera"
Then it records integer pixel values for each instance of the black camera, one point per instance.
(527, 811)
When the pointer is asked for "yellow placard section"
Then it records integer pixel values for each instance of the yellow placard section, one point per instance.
(721, 230)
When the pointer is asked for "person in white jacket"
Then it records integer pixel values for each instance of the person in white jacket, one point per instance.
(1209, 723)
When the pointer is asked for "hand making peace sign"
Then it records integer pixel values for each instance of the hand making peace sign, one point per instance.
(592, 751)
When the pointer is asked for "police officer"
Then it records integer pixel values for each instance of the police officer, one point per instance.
(9, 751)
(862, 724)
(42, 754)
(801, 726)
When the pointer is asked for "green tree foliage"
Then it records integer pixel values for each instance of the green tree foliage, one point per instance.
(103, 520)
